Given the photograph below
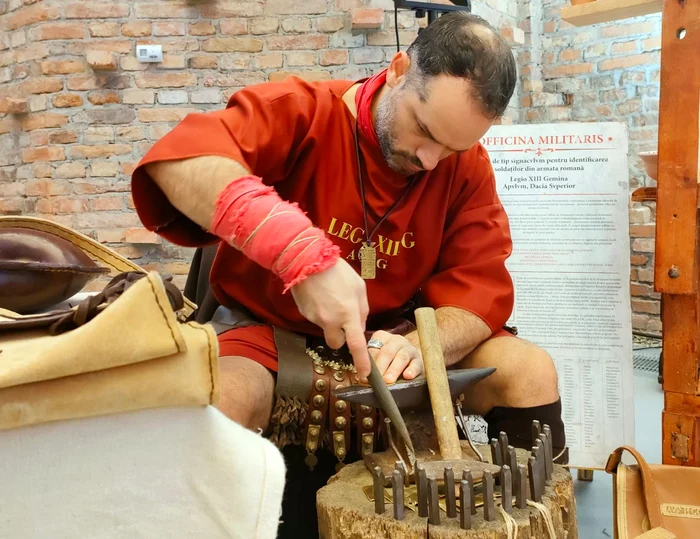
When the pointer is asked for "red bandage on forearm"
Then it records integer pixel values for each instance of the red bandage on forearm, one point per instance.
(276, 234)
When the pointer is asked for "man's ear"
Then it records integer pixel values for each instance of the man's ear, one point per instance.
(398, 69)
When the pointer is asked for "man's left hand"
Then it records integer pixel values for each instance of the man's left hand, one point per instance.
(396, 356)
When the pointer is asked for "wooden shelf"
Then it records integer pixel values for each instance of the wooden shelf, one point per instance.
(609, 10)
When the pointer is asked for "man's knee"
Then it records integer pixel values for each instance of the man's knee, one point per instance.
(247, 392)
(525, 373)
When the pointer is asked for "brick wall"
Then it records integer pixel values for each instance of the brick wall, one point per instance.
(77, 110)
(606, 72)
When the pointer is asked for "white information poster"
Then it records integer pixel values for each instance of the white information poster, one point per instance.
(565, 188)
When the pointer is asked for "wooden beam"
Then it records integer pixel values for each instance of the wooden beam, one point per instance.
(602, 11)
(677, 247)
(675, 264)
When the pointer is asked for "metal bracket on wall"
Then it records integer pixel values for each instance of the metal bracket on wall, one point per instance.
(433, 10)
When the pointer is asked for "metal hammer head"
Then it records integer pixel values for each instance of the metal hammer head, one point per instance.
(413, 394)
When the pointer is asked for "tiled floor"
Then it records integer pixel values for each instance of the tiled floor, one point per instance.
(594, 499)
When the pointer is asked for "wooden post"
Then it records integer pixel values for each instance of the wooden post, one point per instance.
(676, 256)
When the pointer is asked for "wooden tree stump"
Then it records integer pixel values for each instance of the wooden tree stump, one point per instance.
(345, 512)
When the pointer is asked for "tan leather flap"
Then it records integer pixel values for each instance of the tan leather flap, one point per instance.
(657, 533)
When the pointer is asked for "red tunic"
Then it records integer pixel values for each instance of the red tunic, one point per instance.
(447, 241)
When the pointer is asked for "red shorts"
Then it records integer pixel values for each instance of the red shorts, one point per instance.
(257, 343)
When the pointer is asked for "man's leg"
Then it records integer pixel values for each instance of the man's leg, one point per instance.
(247, 392)
(523, 388)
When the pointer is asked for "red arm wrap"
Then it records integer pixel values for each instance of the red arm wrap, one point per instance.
(272, 232)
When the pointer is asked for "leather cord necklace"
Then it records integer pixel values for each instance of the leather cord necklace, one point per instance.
(368, 251)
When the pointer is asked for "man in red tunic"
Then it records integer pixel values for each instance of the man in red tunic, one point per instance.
(341, 201)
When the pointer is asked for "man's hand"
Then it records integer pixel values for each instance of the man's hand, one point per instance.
(397, 356)
(336, 301)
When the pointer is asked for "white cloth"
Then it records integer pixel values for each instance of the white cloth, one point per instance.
(162, 473)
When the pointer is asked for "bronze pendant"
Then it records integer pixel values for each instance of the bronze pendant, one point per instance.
(368, 260)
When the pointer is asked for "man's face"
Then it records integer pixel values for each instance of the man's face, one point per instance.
(415, 134)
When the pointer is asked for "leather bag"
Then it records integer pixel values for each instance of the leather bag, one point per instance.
(654, 501)
(126, 348)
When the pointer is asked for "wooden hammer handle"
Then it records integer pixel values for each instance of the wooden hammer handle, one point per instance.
(439, 389)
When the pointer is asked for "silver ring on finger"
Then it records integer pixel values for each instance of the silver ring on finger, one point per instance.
(375, 343)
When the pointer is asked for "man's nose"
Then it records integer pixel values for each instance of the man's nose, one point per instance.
(430, 155)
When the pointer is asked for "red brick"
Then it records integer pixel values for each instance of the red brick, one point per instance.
(619, 30)
(305, 75)
(141, 235)
(62, 67)
(643, 245)
(651, 44)
(31, 15)
(103, 97)
(113, 203)
(626, 61)
(45, 188)
(164, 114)
(526, 101)
(203, 62)
(168, 28)
(566, 70)
(225, 9)
(385, 38)
(296, 25)
(93, 10)
(67, 100)
(81, 48)
(61, 205)
(296, 42)
(233, 44)
(513, 36)
(646, 306)
(173, 10)
(102, 60)
(133, 96)
(98, 134)
(84, 82)
(111, 115)
(70, 170)
(131, 133)
(44, 120)
(136, 29)
(295, 7)
(550, 26)
(569, 55)
(128, 168)
(63, 137)
(39, 138)
(52, 31)
(638, 289)
(334, 57)
(269, 61)
(301, 58)
(31, 53)
(624, 47)
(100, 150)
(11, 206)
(17, 105)
(172, 61)
(104, 168)
(47, 153)
(104, 29)
(330, 24)
(165, 80)
(642, 231)
(131, 63)
(42, 85)
(235, 26)
(638, 260)
(263, 25)
(238, 79)
(202, 28)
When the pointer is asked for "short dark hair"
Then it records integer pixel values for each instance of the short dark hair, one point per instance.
(464, 45)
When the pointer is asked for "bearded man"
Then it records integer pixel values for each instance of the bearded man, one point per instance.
(336, 204)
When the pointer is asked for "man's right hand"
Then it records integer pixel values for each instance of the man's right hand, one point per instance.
(336, 300)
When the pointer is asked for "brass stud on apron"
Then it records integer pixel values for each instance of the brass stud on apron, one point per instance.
(320, 385)
(319, 369)
(368, 423)
(340, 406)
(319, 400)
(316, 416)
(339, 375)
(340, 422)
(365, 409)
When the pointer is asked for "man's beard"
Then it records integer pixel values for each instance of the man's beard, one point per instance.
(399, 161)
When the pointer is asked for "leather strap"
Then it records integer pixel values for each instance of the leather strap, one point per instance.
(340, 417)
(106, 256)
(651, 497)
(295, 370)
